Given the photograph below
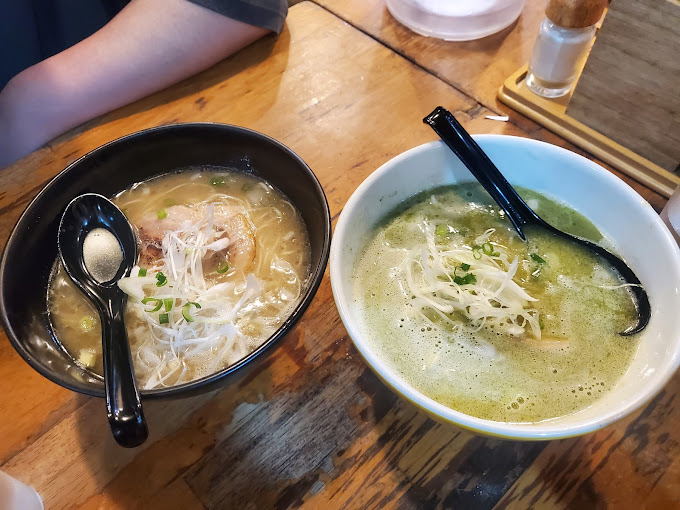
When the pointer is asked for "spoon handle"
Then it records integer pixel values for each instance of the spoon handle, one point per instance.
(479, 164)
(123, 405)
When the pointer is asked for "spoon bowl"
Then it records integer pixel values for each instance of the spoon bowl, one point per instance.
(97, 247)
(520, 214)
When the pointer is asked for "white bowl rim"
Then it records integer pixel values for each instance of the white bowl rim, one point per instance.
(508, 430)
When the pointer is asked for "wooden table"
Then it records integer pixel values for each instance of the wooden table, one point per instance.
(313, 428)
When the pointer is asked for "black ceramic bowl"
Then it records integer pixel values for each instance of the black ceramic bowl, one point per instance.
(32, 247)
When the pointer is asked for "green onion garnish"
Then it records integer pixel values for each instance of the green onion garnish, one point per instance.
(465, 267)
(476, 253)
(537, 258)
(223, 267)
(161, 279)
(465, 280)
(167, 303)
(217, 181)
(185, 311)
(161, 214)
(163, 318)
(142, 271)
(487, 248)
(441, 230)
(157, 302)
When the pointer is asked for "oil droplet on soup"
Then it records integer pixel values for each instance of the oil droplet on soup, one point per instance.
(435, 273)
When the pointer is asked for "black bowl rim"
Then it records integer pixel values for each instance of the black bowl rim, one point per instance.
(316, 274)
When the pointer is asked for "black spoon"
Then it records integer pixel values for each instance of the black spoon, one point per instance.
(520, 214)
(97, 247)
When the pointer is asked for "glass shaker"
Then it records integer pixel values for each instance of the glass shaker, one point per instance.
(563, 41)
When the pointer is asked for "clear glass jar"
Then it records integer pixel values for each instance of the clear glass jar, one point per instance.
(558, 58)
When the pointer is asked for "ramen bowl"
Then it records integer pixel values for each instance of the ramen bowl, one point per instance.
(31, 250)
(626, 219)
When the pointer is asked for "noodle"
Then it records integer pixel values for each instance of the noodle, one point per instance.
(204, 317)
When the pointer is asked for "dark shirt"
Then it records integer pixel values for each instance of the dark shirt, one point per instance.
(33, 30)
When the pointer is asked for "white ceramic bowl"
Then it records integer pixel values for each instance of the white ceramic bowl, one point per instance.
(622, 215)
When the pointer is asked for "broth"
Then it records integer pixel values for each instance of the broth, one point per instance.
(489, 357)
(224, 258)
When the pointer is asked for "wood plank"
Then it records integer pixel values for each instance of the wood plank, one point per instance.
(477, 68)
(77, 457)
(627, 465)
(176, 495)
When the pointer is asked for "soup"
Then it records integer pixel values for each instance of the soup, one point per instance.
(223, 260)
(485, 323)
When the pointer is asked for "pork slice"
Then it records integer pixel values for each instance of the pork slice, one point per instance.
(228, 222)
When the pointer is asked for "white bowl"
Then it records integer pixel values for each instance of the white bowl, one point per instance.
(622, 215)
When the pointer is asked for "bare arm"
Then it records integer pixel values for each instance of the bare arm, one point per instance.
(148, 46)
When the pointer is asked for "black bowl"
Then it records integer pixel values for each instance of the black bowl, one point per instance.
(32, 246)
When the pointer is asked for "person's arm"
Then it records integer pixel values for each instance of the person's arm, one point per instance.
(148, 46)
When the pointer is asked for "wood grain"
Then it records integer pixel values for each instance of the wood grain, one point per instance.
(476, 68)
(628, 90)
(313, 427)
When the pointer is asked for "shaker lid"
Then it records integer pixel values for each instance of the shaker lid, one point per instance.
(575, 13)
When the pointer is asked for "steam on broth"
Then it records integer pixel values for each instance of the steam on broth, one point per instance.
(224, 258)
(488, 324)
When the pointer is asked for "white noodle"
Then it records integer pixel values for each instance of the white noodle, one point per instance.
(494, 299)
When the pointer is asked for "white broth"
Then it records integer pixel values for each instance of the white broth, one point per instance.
(224, 258)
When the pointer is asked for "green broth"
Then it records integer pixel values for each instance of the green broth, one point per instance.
(490, 374)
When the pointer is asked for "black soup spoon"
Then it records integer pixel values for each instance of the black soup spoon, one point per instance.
(98, 247)
(520, 214)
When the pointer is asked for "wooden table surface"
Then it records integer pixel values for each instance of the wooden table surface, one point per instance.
(314, 427)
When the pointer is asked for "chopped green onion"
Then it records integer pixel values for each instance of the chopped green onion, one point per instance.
(142, 272)
(223, 267)
(246, 187)
(487, 248)
(465, 280)
(476, 253)
(464, 267)
(168, 202)
(441, 230)
(168, 303)
(217, 181)
(157, 302)
(161, 214)
(163, 318)
(161, 279)
(185, 311)
(537, 258)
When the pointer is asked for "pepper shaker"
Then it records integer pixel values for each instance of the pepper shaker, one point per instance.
(563, 41)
